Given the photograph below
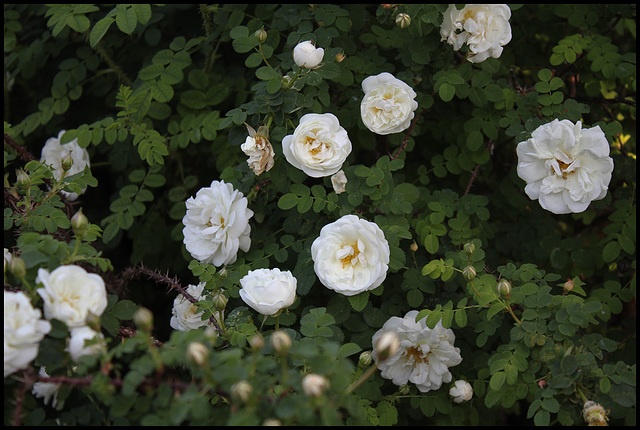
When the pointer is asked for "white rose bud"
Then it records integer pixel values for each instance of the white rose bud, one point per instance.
(461, 391)
(387, 345)
(143, 319)
(403, 20)
(314, 385)
(77, 346)
(241, 391)
(305, 54)
(281, 342)
(197, 353)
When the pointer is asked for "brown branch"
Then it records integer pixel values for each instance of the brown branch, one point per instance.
(403, 145)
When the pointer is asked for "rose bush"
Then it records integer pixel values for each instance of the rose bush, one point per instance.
(386, 168)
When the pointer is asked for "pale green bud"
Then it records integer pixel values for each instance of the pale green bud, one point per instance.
(143, 319)
(469, 273)
(220, 301)
(197, 353)
(281, 342)
(469, 248)
(504, 288)
(256, 342)
(403, 20)
(67, 162)
(22, 179)
(79, 223)
(241, 391)
(365, 359)
(17, 267)
(261, 35)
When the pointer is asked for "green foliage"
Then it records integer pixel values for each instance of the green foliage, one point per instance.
(160, 101)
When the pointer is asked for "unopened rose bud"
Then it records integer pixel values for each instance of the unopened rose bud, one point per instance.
(404, 390)
(504, 288)
(469, 248)
(17, 267)
(241, 391)
(22, 179)
(256, 342)
(365, 359)
(414, 247)
(211, 334)
(79, 223)
(197, 353)
(314, 385)
(403, 20)
(220, 301)
(568, 286)
(67, 162)
(281, 342)
(261, 35)
(387, 345)
(223, 273)
(461, 391)
(340, 56)
(143, 319)
(305, 54)
(594, 414)
(469, 273)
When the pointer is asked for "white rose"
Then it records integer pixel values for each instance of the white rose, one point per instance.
(76, 346)
(185, 314)
(424, 356)
(268, 290)
(461, 391)
(259, 150)
(318, 146)
(23, 331)
(564, 166)
(484, 27)
(46, 390)
(388, 105)
(7, 259)
(70, 294)
(351, 255)
(216, 224)
(305, 54)
(54, 152)
(339, 182)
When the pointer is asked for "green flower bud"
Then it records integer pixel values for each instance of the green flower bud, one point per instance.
(23, 180)
(469, 273)
(79, 223)
(403, 20)
(67, 162)
(256, 342)
(220, 301)
(365, 359)
(143, 319)
(17, 267)
(261, 35)
(469, 248)
(504, 288)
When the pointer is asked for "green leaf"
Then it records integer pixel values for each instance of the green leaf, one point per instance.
(611, 251)
(126, 19)
(497, 380)
(99, 30)
(287, 201)
(446, 92)
(359, 301)
(348, 349)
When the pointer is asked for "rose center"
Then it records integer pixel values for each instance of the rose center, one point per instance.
(349, 255)
(564, 165)
(417, 356)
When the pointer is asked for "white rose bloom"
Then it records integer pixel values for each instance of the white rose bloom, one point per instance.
(216, 224)
(259, 150)
(461, 391)
(565, 167)
(185, 314)
(388, 105)
(54, 152)
(23, 331)
(7, 259)
(76, 346)
(484, 28)
(46, 390)
(339, 182)
(424, 356)
(268, 291)
(351, 255)
(70, 294)
(318, 146)
(305, 54)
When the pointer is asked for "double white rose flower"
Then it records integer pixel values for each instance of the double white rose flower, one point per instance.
(70, 294)
(388, 105)
(351, 255)
(565, 167)
(23, 331)
(484, 28)
(268, 291)
(185, 315)
(305, 54)
(54, 152)
(318, 146)
(216, 224)
(424, 356)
